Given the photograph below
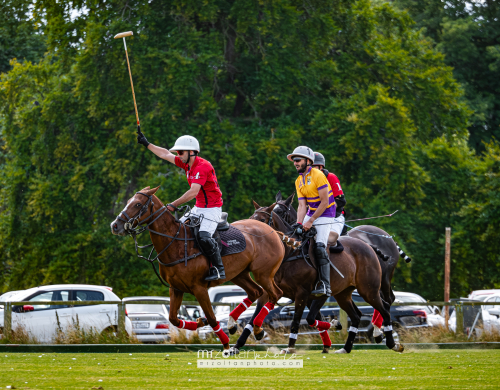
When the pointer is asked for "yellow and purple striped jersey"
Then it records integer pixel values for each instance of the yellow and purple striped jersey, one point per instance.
(308, 185)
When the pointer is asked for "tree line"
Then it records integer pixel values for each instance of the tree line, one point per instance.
(380, 88)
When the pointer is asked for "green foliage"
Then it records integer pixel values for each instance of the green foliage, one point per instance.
(467, 33)
(20, 37)
(251, 80)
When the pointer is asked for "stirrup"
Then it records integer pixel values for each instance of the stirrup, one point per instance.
(317, 291)
(211, 277)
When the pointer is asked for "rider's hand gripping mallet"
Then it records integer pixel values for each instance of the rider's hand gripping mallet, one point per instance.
(123, 35)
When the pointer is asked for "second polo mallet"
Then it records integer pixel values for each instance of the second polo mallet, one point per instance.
(123, 35)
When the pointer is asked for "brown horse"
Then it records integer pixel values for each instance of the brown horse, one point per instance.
(184, 268)
(387, 248)
(360, 269)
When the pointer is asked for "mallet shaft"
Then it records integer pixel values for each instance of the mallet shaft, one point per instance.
(131, 82)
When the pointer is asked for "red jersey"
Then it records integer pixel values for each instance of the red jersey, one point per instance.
(203, 173)
(335, 184)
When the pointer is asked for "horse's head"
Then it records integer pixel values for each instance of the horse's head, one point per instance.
(137, 211)
(284, 208)
(262, 214)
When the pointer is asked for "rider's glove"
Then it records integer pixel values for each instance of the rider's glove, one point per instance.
(297, 227)
(141, 139)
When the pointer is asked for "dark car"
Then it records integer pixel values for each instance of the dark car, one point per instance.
(402, 317)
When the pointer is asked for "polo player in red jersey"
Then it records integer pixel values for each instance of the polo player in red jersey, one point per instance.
(340, 201)
(338, 225)
(201, 178)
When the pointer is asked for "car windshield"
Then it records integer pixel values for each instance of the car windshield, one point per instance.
(153, 308)
(409, 298)
(481, 298)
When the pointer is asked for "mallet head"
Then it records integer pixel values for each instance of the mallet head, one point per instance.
(124, 34)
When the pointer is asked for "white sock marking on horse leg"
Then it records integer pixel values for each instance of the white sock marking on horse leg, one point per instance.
(353, 329)
(387, 328)
(249, 327)
(294, 335)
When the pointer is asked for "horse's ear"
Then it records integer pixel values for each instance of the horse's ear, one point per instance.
(152, 191)
(289, 200)
(279, 196)
(145, 189)
(255, 204)
(271, 208)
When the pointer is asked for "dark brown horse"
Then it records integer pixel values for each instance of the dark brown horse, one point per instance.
(387, 248)
(184, 268)
(360, 269)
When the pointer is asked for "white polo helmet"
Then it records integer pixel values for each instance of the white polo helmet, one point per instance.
(186, 142)
(302, 151)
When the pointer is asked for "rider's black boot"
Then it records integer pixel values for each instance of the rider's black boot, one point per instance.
(211, 250)
(323, 262)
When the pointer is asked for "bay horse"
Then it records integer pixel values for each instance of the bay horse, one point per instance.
(360, 269)
(387, 249)
(184, 267)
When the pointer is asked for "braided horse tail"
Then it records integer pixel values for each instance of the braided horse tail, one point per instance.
(380, 254)
(403, 254)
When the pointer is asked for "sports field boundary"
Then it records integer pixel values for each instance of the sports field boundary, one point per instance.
(161, 348)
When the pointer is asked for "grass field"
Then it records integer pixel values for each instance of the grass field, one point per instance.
(453, 369)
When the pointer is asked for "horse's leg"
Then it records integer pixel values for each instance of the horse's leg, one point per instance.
(344, 299)
(201, 295)
(247, 331)
(175, 304)
(253, 290)
(385, 310)
(300, 303)
(314, 318)
(273, 291)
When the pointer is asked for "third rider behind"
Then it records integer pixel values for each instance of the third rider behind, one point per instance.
(204, 187)
(313, 190)
(338, 194)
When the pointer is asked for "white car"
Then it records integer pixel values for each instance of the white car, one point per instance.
(42, 321)
(493, 310)
(434, 317)
(150, 321)
(476, 294)
(217, 293)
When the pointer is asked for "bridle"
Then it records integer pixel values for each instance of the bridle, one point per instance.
(138, 229)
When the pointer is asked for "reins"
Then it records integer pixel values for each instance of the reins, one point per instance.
(138, 229)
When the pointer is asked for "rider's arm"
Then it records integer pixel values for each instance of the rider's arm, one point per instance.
(166, 155)
(189, 195)
(302, 210)
(323, 196)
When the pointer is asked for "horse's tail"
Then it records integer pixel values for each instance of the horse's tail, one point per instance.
(380, 254)
(403, 254)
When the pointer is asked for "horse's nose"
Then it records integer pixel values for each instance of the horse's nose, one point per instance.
(115, 226)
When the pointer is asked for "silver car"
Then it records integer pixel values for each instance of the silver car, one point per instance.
(150, 321)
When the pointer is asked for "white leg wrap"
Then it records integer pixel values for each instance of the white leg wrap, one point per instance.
(353, 329)
(231, 323)
(294, 336)
(376, 331)
(249, 327)
(387, 328)
(341, 350)
(333, 323)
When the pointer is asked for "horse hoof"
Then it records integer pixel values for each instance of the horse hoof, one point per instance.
(288, 351)
(336, 324)
(398, 348)
(201, 322)
(379, 339)
(232, 351)
(258, 333)
(326, 349)
(232, 330)
(341, 350)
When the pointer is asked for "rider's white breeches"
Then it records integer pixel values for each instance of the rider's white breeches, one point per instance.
(338, 224)
(211, 217)
(323, 226)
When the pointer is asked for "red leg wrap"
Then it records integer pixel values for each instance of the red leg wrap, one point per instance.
(220, 334)
(321, 325)
(189, 325)
(377, 319)
(263, 313)
(325, 337)
(236, 313)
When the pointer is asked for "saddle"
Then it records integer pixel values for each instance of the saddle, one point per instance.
(229, 239)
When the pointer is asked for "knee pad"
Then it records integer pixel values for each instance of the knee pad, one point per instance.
(320, 253)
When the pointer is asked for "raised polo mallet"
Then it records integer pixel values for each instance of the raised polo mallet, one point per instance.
(123, 35)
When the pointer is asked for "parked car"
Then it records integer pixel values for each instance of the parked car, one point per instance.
(475, 294)
(477, 319)
(493, 310)
(434, 317)
(150, 322)
(42, 321)
(217, 293)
